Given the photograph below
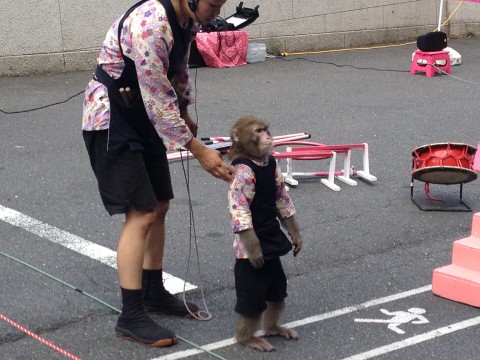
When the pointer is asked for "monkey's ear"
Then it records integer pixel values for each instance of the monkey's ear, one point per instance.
(234, 136)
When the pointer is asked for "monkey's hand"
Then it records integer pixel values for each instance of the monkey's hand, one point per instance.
(252, 245)
(291, 225)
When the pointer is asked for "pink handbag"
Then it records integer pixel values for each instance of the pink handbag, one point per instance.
(223, 48)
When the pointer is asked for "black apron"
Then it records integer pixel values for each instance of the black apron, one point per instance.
(273, 241)
(130, 125)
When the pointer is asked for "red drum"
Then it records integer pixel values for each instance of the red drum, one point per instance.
(444, 163)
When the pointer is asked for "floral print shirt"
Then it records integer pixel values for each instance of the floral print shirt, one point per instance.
(147, 39)
(240, 196)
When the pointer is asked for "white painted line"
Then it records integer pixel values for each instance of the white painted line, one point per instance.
(416, 339)
(361, 306)
(78, 244)
(187, 353)
(306, 321)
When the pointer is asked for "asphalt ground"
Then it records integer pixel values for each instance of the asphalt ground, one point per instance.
(366, 247)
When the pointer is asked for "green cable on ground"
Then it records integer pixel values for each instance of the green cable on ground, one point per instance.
(99, 300)
(60, 281)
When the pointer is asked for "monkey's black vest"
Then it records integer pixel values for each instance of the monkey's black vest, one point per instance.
(273, 241)
(130, 124)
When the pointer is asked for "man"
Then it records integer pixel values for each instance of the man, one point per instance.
(135, 109)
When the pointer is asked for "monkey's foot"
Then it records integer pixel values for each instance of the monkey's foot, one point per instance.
(282, 331)
(258, 344)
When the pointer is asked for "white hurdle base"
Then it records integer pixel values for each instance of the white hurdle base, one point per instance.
(346, 170)
(329, 181)
(365, 173)
(288, 175)
(366, 176)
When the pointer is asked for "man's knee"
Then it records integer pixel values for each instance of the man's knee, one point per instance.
(162, 209)
(140, 218)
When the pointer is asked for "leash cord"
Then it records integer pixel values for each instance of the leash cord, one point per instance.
(99, 300)
(203, 315)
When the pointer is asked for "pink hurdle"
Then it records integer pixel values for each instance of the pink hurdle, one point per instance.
(317, 151)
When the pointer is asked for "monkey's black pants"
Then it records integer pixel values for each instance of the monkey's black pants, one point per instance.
(254, 287)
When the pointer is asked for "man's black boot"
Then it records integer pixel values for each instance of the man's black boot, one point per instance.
(134, 323)
(158, 300)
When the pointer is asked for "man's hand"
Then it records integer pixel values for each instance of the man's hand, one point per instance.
(211, 160)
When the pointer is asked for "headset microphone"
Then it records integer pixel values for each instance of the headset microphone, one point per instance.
(193, 5)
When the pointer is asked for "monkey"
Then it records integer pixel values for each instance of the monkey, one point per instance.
(259, 206)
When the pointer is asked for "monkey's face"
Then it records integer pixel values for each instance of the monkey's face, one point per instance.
(251, 138)
(263, 143)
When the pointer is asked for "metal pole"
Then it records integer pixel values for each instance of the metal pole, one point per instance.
(440, 11)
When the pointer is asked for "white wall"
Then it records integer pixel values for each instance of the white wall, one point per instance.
(50, 36)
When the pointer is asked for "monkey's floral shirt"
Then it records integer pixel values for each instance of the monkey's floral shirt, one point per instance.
(147, 39)
(240, 196)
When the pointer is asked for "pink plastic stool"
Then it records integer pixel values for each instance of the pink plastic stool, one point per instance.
(425, 61)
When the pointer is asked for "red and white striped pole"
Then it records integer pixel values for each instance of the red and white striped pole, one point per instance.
(39, 338)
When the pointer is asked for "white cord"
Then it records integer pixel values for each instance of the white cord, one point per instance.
(203, 315)
(455, 77)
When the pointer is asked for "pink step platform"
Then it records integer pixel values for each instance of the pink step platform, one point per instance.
(460, 281)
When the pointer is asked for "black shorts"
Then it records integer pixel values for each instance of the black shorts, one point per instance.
(255, 287)
(137, 179)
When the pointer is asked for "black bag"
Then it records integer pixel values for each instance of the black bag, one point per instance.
(243, 16)
(433, 41)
